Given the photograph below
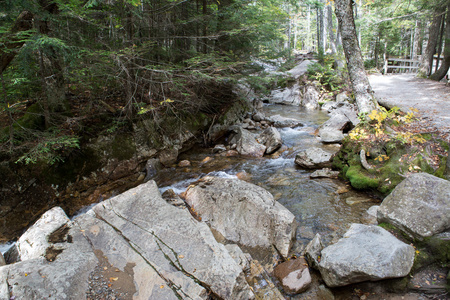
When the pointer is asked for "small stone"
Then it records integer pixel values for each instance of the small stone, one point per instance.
(184, 163)
(205, 160)
(219, 148)
(294, 275)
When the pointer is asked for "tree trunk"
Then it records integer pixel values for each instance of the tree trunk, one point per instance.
(426, 62)
(360, 83)
(330, 26)
(23, 23)
(443, 69)
(322, 37)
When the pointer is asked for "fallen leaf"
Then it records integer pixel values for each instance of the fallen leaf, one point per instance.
(105, 268)
(181, 256)
(161, 286)
(113, 278)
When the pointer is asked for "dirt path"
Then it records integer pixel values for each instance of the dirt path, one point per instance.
(431, 98)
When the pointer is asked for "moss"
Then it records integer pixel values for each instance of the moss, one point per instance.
(360, 179)
(439, 246)
(123, 147)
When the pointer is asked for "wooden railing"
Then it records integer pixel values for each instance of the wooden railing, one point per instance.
(402, 65)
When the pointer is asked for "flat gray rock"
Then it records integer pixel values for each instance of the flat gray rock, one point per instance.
(314, 158)
(365, 253)
(419, 205)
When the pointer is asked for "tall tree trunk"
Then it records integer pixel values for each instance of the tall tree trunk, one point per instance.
(443, 69)
(330, 26)
(426, 62)
(360, 83)
(416, 42)
(322, 37)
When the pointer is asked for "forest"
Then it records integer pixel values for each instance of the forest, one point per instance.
(70, 66)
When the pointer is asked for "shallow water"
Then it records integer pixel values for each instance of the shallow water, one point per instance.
(315, 202)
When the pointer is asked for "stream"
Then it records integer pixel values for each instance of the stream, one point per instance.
(325, 206)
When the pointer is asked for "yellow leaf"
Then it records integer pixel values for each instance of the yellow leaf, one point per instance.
(113, 278)
(161, 286)
(181, 256)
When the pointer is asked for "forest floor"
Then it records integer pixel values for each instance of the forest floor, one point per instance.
(430, 98)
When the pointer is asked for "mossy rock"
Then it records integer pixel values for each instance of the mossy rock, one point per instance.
(439, 246)
(360, 178)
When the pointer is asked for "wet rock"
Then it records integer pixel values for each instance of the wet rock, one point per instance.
(230, 153)
(258, 117)
(246, 143)
(324, 293)
(331, 135)
(184, 163)
(294, 275)
(312, 251)
(270, 138)
(2, 260)
(168, 157)
(243, 213)
(310, 99)
(305, 232)
(365, 253)
(279, 121)
(370, 216)
(219, 148)
(152, 166)
(259, 278)
(172, 198)
(356, 200)
(35, 241)
(417, 196)
(324, 173)
(314, 158)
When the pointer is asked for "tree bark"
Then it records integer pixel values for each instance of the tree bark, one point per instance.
(443, 69)
(23, 23)
(330, 26)
(360, 83)
(426, 62)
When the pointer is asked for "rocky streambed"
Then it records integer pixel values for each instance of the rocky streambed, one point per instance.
(259, 216)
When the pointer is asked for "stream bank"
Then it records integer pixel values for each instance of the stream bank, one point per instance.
(323, 206)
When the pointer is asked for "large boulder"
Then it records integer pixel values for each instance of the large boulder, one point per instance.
(288, 96)
(419, 205)
(365, 253)
(301, 68)
(243, 213)
(246, 143)
(279, 121)
(136, 237)
(176, 249)
(35, 241)
(61, 272)
(270, 138)
(310, 99)
(314, 158)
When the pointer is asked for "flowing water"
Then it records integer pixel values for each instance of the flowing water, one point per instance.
(325, 206)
